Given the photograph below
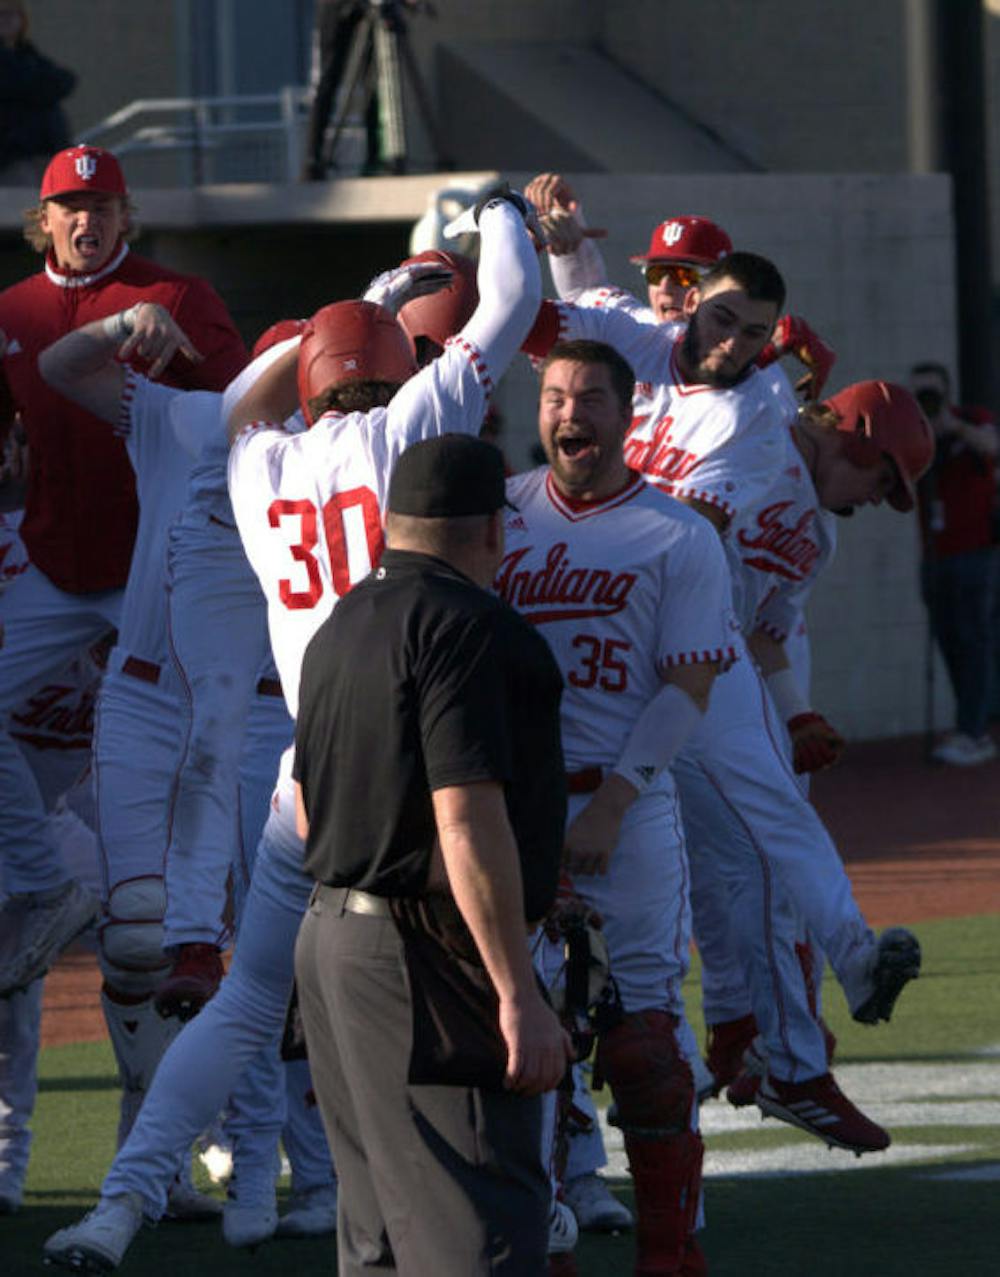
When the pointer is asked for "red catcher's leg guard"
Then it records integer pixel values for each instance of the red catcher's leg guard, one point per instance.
(667, 1177)
(649, 1078)
(654, 1094)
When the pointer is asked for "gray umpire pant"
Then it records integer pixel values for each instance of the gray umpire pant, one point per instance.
(433, 1179)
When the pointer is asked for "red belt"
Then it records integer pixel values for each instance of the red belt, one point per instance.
(584, 781)
(269, 687)
(136, 667)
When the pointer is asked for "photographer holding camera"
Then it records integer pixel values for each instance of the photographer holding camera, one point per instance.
(957, 508)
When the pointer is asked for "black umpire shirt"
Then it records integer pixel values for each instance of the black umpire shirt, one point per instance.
(420, 680)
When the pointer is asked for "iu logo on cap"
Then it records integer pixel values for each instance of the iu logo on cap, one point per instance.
(86, 166)
(670, 233)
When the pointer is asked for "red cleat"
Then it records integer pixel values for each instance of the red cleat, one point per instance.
(726, 1043)
(819, 1107)
(193, 979)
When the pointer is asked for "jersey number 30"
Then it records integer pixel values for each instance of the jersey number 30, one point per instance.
(340, 515)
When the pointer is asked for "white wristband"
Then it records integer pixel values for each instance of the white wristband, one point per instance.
(121, 325)
(784, 689)
(657, 736)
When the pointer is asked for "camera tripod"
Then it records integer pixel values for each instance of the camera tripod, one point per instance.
(379, 56)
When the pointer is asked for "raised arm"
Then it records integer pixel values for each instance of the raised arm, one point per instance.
(83, 365)
(575, 261)
(266, 390)
(510, 286)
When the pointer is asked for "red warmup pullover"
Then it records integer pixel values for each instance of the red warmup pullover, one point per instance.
(80, 511)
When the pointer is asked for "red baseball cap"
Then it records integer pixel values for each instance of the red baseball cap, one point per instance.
(686, 239)
(883, 418)
(83, 168)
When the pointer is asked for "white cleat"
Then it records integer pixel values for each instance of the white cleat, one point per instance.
(35, 927)
(185, 1204)
(595, 1207)
(312, 1213)
(247, 1224)
(563, 1232)
(99, 1242)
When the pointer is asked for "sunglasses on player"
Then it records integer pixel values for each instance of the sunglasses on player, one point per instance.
(681, 276)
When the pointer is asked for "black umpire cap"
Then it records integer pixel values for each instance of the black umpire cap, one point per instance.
(448, 477)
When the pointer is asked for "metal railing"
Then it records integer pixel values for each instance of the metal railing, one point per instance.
(256, 137)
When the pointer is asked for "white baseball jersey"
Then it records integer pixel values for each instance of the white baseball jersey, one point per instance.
(777, 547)
(161, 476)
(309, 506)
(609, 297)
(622, 589)
(718, 446)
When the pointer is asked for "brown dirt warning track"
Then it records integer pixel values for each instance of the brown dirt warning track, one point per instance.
(919, 841)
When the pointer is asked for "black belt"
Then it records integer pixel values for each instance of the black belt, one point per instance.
(351, 900)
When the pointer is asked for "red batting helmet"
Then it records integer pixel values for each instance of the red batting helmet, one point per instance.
(686, 239)
(82, 168)
(442, 314)
(351, 341)
(883, 418)
(281, 331)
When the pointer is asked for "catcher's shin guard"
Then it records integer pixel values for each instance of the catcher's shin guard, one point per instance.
(649, 1077)
(653, 1089)
(666, 1174)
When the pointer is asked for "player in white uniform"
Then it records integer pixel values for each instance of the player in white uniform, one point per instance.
(715, 438)
(218, 644)
(53, 729)
(632, 593)
(140, 714)
(782, 543)
(310, 517)
(681, 249)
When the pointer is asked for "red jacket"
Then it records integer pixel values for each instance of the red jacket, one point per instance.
(958, 493)
(80, 511)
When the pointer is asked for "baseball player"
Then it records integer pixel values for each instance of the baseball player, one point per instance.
(218, 640)
(681, 249)
(310, 516)
(715, 438)
(632, 593)
(80, 512)
(140, 712)
(53, 729)
(218, 645)
(866, 444)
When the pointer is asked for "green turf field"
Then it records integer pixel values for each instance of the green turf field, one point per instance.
(779, 1203)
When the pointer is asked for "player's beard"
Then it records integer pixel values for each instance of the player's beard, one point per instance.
(693, 360)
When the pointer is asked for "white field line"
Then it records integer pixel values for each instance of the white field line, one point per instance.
(895, 1095)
